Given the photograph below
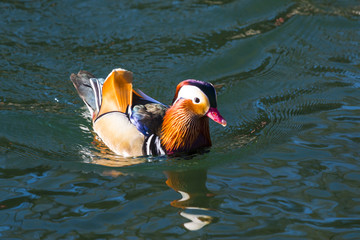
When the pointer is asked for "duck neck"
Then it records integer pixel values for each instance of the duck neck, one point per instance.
(184, 131)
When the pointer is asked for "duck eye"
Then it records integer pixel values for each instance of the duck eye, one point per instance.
(196, 100)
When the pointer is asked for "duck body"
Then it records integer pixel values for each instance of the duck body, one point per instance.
(131, 123)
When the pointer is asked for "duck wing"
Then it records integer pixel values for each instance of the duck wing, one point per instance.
(148, 117)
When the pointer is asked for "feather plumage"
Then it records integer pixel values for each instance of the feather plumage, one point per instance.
(183, 130)
(117, 91)
(81, 82)
(133, 124)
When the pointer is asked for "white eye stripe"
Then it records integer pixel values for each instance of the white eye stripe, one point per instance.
(192, 92)
(197, 97)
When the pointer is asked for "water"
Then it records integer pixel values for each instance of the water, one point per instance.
(287, 166)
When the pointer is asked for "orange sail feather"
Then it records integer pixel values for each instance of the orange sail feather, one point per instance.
(117, 91)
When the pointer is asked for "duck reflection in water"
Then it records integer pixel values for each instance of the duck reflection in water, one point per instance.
(195, 197)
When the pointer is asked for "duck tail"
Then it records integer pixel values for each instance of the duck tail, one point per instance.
(82, 83)
(102, 96)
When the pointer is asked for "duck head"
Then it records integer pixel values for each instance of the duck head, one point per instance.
(203, 99)
(186, 125)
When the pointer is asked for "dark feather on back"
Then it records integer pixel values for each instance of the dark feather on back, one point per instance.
(147, 116)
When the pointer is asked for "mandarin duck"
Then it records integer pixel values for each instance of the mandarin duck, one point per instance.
(131, 123)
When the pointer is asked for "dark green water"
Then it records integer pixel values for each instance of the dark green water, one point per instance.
(287, 166)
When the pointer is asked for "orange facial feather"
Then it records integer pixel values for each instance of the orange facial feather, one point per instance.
(183, 129)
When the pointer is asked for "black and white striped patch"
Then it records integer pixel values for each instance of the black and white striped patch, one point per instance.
(152, 146)
(97, 84)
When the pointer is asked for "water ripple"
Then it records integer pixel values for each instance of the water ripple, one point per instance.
(285, 167)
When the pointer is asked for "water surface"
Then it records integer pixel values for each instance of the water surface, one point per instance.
(287, 166)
